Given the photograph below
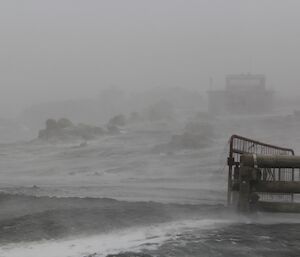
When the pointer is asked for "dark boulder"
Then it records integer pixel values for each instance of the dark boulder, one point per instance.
(195, 135)
(112, 129)
(51, 124)
(64, 129)
(64, 123)
(118, 120)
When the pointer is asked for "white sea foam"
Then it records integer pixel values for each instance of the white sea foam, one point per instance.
(114, 242)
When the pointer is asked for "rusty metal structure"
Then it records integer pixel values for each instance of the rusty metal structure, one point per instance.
(268, 173)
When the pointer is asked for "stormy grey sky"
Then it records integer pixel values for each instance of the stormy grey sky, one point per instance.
(62, 49)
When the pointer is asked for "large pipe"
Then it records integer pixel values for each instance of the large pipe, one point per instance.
(279, 207)
(270, 161)
(278, 187)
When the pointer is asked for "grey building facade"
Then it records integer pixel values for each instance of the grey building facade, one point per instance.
(243, 94)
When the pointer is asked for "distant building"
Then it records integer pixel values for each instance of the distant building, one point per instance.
(244, 93)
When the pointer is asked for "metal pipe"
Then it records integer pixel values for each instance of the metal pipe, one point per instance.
(279, 207)
(270, 161)
(278, 187)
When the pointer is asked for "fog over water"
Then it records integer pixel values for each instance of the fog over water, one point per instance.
(58, 50)
(115, 119)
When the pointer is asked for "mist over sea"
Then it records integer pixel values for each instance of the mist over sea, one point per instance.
(129, 192)
(115, 120)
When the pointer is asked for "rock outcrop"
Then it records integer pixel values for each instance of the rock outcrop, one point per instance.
(195, 135)
(64, 129)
